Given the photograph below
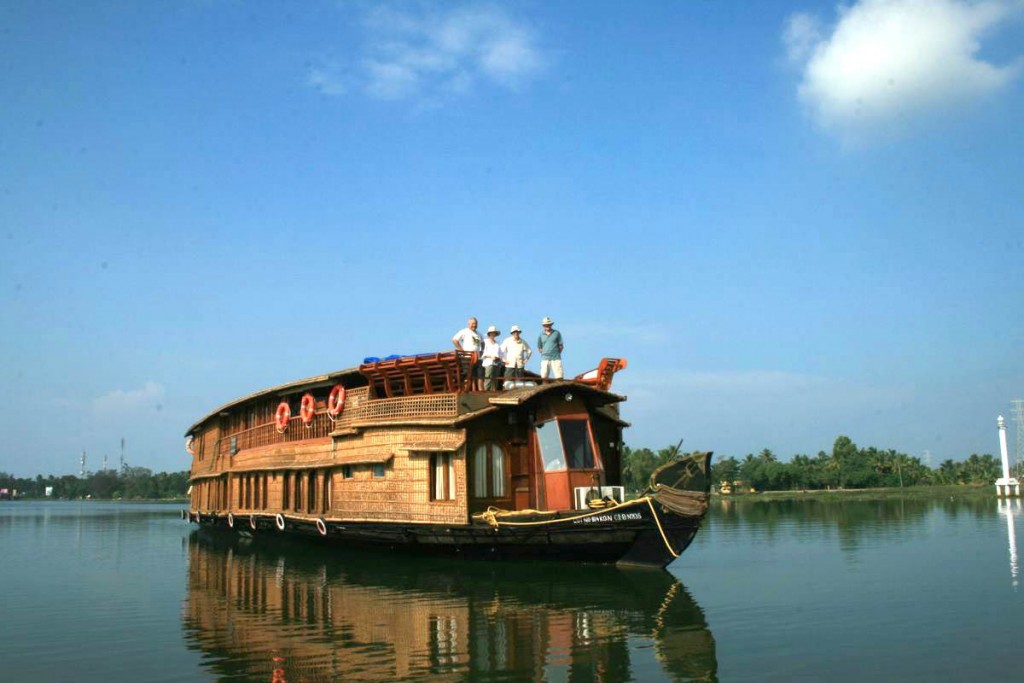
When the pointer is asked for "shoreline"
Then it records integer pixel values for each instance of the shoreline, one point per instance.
(838, 495)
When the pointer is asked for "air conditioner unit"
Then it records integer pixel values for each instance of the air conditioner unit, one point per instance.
(581, 494)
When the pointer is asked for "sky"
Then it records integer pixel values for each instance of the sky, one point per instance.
(796, 220)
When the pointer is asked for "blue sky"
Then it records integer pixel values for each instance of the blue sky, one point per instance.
(795, 221)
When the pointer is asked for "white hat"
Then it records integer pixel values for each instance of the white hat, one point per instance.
(493, 329)
(547, 321)
(515, 328)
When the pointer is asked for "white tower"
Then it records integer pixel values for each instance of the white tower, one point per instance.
(1004, 483)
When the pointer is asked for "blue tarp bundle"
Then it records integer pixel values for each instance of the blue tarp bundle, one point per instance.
(394, 356)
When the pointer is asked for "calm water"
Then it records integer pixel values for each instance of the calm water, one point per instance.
(914, 590)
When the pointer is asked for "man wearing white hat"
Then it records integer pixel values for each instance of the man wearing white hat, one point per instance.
(549, 343)
(491, 358)
(515, 352)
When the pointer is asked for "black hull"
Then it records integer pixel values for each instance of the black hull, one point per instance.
(638, 533)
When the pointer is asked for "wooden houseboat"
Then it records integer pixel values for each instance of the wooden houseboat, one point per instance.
(404, 452)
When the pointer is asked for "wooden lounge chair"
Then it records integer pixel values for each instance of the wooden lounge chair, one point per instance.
(601, 376)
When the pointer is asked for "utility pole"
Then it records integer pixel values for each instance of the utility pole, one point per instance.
(82, 472)
(122, 455)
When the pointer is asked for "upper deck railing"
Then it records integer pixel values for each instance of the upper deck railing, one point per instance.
(422, 387)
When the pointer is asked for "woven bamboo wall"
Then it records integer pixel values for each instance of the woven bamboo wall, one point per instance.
(403, 494)
(256, 480)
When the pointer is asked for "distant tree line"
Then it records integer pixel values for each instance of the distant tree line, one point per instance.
(845, 467)
(130, 483)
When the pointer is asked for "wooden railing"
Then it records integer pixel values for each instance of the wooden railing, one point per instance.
(267, 434)
(359, 409)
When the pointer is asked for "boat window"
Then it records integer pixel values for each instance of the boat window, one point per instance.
(311, 491)
(442, 477)
(576, 438)
(488, 471)
(565, 446)
(550, 446)
(378, 470)
(326, 503)
(346, 471)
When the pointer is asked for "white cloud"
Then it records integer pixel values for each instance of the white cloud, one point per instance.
(436, 54)
(890, 60)
(120, 401)
(743, 411)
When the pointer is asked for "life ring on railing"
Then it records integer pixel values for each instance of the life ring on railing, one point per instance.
(321, 526)
(307, 410)
(199, 518)
(190, 447)
(281, 417)
(336, 402)
(231, 521)
(252, 522)
(279, 520)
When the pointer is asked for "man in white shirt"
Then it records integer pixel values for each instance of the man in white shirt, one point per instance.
(515, 352)
(491, 358)
(468, 340)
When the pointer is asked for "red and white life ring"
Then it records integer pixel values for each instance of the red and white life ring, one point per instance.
(336, 402)
(281, 417)
(252, 522)
(190, 445)
(307, 409)
(321, 526)
(279, 520)
(231, 521)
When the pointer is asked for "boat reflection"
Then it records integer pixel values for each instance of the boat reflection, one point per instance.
(278, 612)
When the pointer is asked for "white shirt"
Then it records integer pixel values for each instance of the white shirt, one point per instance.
(515, 352)
(468, 340)
(492, 352)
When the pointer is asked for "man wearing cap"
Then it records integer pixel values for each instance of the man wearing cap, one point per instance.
(549, 343)
(515, 352)
(468, 340)
(491, 358)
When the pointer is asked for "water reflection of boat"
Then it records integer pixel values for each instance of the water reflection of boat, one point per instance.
(263, 611)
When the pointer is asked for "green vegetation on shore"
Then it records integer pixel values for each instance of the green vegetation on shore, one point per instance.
(131, 483)
(845, 468)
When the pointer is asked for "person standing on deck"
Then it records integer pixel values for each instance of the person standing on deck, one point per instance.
(468, 340)
(491, 359)
(549, 343)
(515, 352)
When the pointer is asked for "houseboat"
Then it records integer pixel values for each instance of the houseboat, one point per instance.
(406, 453)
